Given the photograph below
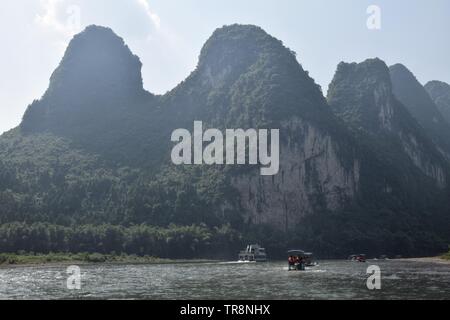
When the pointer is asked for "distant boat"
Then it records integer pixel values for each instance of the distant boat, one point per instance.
(357, 257)
(253, 253)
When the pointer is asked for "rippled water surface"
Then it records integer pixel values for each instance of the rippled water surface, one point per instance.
(329, 280)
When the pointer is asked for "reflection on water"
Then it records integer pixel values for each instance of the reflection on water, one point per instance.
(329, 280)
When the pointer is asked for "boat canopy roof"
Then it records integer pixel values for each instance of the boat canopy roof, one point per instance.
(299, 253)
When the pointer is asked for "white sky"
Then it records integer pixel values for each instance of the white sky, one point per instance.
(167, 35)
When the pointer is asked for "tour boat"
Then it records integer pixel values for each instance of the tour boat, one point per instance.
(253, 253)
(299, 260)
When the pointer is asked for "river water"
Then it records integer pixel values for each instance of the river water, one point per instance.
(329, 280)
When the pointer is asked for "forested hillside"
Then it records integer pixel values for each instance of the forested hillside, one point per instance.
(89, 170)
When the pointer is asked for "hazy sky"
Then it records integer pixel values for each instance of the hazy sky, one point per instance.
(167, 35)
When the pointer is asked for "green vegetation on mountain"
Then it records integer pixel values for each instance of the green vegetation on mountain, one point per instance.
(362, 95)
(89, 170)
(174, 241)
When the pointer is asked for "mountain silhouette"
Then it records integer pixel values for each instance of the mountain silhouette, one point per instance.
(357, 171)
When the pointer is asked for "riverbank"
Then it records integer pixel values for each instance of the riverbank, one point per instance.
(11, 259)
(445, 259)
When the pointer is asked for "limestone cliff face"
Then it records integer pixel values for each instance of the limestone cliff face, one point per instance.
(421, 150)
(410, 92)
(267, 88)
(427, 165)
(363, 96)
(312, 177)
(382, 95)
(440, 93)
